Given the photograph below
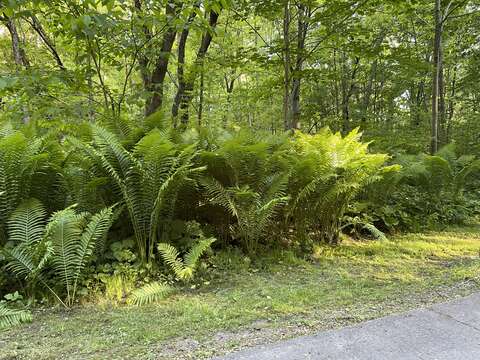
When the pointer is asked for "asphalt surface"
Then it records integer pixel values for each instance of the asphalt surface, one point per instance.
(447, 331)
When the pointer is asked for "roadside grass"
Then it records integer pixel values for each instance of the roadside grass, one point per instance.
(243, 302)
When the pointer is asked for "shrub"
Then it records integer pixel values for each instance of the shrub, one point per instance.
(429, 190)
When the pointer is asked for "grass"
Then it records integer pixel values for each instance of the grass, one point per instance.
(245, 302)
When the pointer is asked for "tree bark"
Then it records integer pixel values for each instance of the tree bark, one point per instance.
(348, 85)
(37, 26)
(436, 77)
(19, 55)
(442, 132)
(286, 65)
(161, 66)
(451, 105)
(229, 89)
(372, 76)
(142, 59)
(18, 51)
(302, 28)
(185, 87)
(182, 43)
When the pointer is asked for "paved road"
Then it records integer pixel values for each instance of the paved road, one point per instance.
(448, 331)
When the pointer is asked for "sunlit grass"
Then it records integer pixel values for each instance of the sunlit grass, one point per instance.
(358, 279)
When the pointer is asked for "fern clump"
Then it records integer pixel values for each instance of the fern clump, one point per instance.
(253, 211)
(429, 190)
(246, 187)
(148, 178)
(329, 171)
(26, 169)
(63, 245)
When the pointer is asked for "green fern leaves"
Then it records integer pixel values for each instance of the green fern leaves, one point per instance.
(10, 317)
(63, 245)
(149, 294)
(148, 178)
(330, 171)
(184, 269)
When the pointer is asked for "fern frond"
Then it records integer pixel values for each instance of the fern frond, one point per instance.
(10, 317)
(26, 225)
(64, 231)
(219, 195)
(171, 257)
(194, 254)
(149, 293)
(83, 249)
(20, 261)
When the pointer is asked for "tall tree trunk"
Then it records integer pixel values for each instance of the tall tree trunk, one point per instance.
(185, 90)
(18, 50)
(451, 105)
(229, 89)
(142, 59)
(336, 90)
(182, 44)
(302, 28)
(286, 65)
(19, 55)
(442, 119)
(436, 76)
(201, 96)
(345, 108)
(348, 85)
(372, 76)
(160, 71)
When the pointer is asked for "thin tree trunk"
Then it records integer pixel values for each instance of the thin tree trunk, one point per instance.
(348, 85)
(182, 83)
(229, 88)
(372, 76)
(19, 55)
(142, 59)
(37, 26)
(441, 102)
(201, 96)
(185, 92)
(451, 105)
(286, 65)
(161, 66)
(336, 90)
(297, 76)
(436, 77)
(18, 51)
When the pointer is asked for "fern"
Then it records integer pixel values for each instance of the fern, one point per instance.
(184, 269)
(148, 178)
(64, 245)
(149, 293)
(26, 224)
(253, 210)
(329, 172)
(10, 317)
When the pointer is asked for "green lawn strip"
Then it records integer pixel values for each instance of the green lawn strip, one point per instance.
(343, 285)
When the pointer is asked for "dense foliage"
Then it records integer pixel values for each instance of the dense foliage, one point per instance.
(109, 186)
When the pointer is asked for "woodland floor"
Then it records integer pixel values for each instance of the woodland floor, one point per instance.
(243, 304)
